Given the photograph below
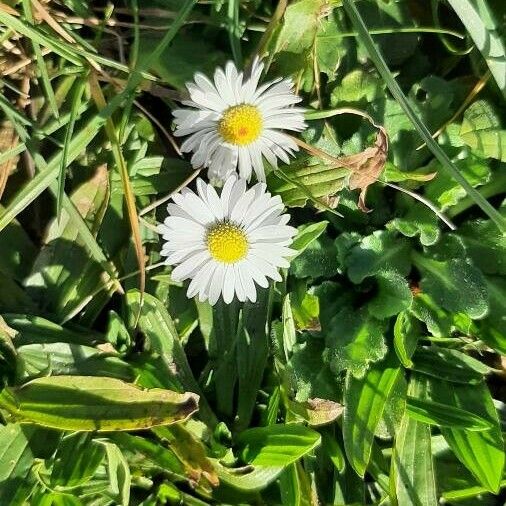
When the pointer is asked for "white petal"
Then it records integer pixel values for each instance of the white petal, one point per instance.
(229, 284)
(216, 285)
(189, 266)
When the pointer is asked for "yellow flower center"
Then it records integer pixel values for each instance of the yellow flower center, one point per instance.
(227, 243)
(241, 124)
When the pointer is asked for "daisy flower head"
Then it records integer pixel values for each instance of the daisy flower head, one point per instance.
(228, 243)
(233, 121)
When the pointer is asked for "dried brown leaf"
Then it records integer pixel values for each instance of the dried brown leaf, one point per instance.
(367, 166)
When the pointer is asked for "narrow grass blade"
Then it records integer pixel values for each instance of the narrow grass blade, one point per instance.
(396, 91)
(234, 30)
(41, 64)
(74, 107)
(98, 97)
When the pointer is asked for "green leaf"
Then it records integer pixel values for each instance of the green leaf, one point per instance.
(251, 479)
(414, 475)
(306, 234)
(76, 460)
(393, 295)
(162, 339)
(481, 452)
(486, 34)
(355, 340)
(191, 452)
(406, 335)
(364, 401)
(307, 179)
(305, 307)
(421, 128)
(481, 131)
(251, 359)
(435, 413)
(294, 486)
(357, 88)
(118, 473)
(454, 284)
(494, 331)
(449, 365)
(66, 358)
(446, 192)
(186, 55)
(319, 259)
(289, 334)
(380, 251)
(20, 444)
(333, 449)
(277, 445)
(419, 221)
(485, 245)
(86, 403)
(310, 375)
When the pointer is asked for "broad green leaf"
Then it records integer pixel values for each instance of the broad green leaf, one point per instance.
(310, 375)
(406, 335)
(20, 444)
(86, 403)
(435, 413)
(355, 340)
(449, 365)
(306, 234)
(18, 251)
(454, 284)
(481, 452)
(485, 245)
(305, 306)
(356, 88)
(445, 192)
(64, 278)
(186, 55)
(55, 499)
(35, 330)
(16, 456)
(162, 339)
(307, 179)
(481, 130)
(76, 460)
(70, 359)
(494, 327)
(393, 295)
(424, 308)
(295, 486)
(379, 251)
(118, 473)
(333, 449)
(479, 21)
(162, 457)
(319, 259)
(364, 401)
(277, 445)
(419, 221)
(414, 475)
(191, 452)
(251, 479)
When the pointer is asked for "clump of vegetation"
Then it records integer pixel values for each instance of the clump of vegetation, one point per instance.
(365, 366)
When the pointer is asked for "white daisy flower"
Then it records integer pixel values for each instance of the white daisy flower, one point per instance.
(227, 243)
(234, 122)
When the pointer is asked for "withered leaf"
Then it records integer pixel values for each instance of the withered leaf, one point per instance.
(367, 166)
